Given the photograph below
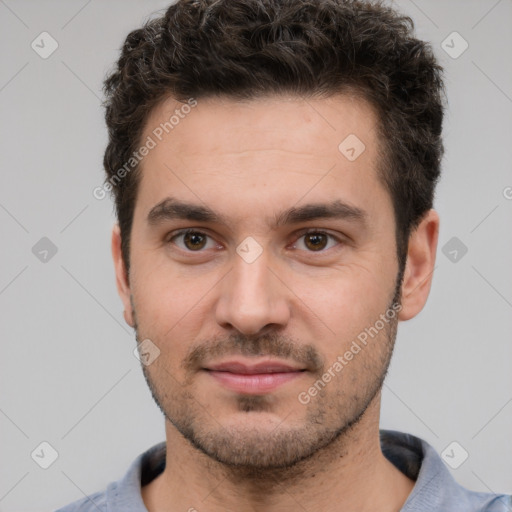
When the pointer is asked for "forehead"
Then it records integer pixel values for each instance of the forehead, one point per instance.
(282, 146)
(285, 123)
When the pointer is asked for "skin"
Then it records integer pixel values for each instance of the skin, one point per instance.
(249, 161)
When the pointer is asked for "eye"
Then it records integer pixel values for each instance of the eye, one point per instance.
(316, 241)
(192, 240)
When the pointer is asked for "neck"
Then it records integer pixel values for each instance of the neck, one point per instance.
(351, 473)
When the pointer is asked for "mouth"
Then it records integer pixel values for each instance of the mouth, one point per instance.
(256, 379)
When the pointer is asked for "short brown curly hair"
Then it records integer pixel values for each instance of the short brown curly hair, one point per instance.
(247, 48)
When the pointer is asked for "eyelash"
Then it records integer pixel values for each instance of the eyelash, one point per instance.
(183, 232)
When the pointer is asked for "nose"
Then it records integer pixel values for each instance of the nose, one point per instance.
(252, 297)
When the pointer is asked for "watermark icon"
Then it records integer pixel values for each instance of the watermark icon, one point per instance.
(454, 249)
(454, 455)
(150, 143)
(454, 45)
(44, 455)
(249, 250)
(507, 192)
(44, 250)
(304, 397)
(44, 45)
(352, 147)
(146, 352)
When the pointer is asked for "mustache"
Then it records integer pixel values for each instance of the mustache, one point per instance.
(274, 344)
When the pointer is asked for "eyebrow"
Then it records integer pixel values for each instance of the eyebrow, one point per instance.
(173, 209)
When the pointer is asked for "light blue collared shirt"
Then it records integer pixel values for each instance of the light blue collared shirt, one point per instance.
(435, 490)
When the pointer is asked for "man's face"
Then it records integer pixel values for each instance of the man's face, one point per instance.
(250, 286)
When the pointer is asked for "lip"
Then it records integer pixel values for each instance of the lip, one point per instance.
(241, 367)
(259, 378)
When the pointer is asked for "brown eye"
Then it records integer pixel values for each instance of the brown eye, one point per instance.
(190, 240)
(315, 241)
(194, 241)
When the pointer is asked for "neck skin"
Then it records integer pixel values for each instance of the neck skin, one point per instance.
(349, 474)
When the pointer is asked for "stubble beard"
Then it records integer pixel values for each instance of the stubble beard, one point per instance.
(285, 450)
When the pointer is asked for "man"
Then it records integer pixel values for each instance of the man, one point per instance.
(273, 165)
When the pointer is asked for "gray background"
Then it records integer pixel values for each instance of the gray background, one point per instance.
(68, 374)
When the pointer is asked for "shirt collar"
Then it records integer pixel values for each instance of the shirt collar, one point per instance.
(435, 487)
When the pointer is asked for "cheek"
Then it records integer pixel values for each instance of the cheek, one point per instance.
(343, 305)
(171, 307)
(161, 303)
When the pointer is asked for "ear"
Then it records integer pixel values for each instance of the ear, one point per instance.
(122, 282)
(421, 258)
